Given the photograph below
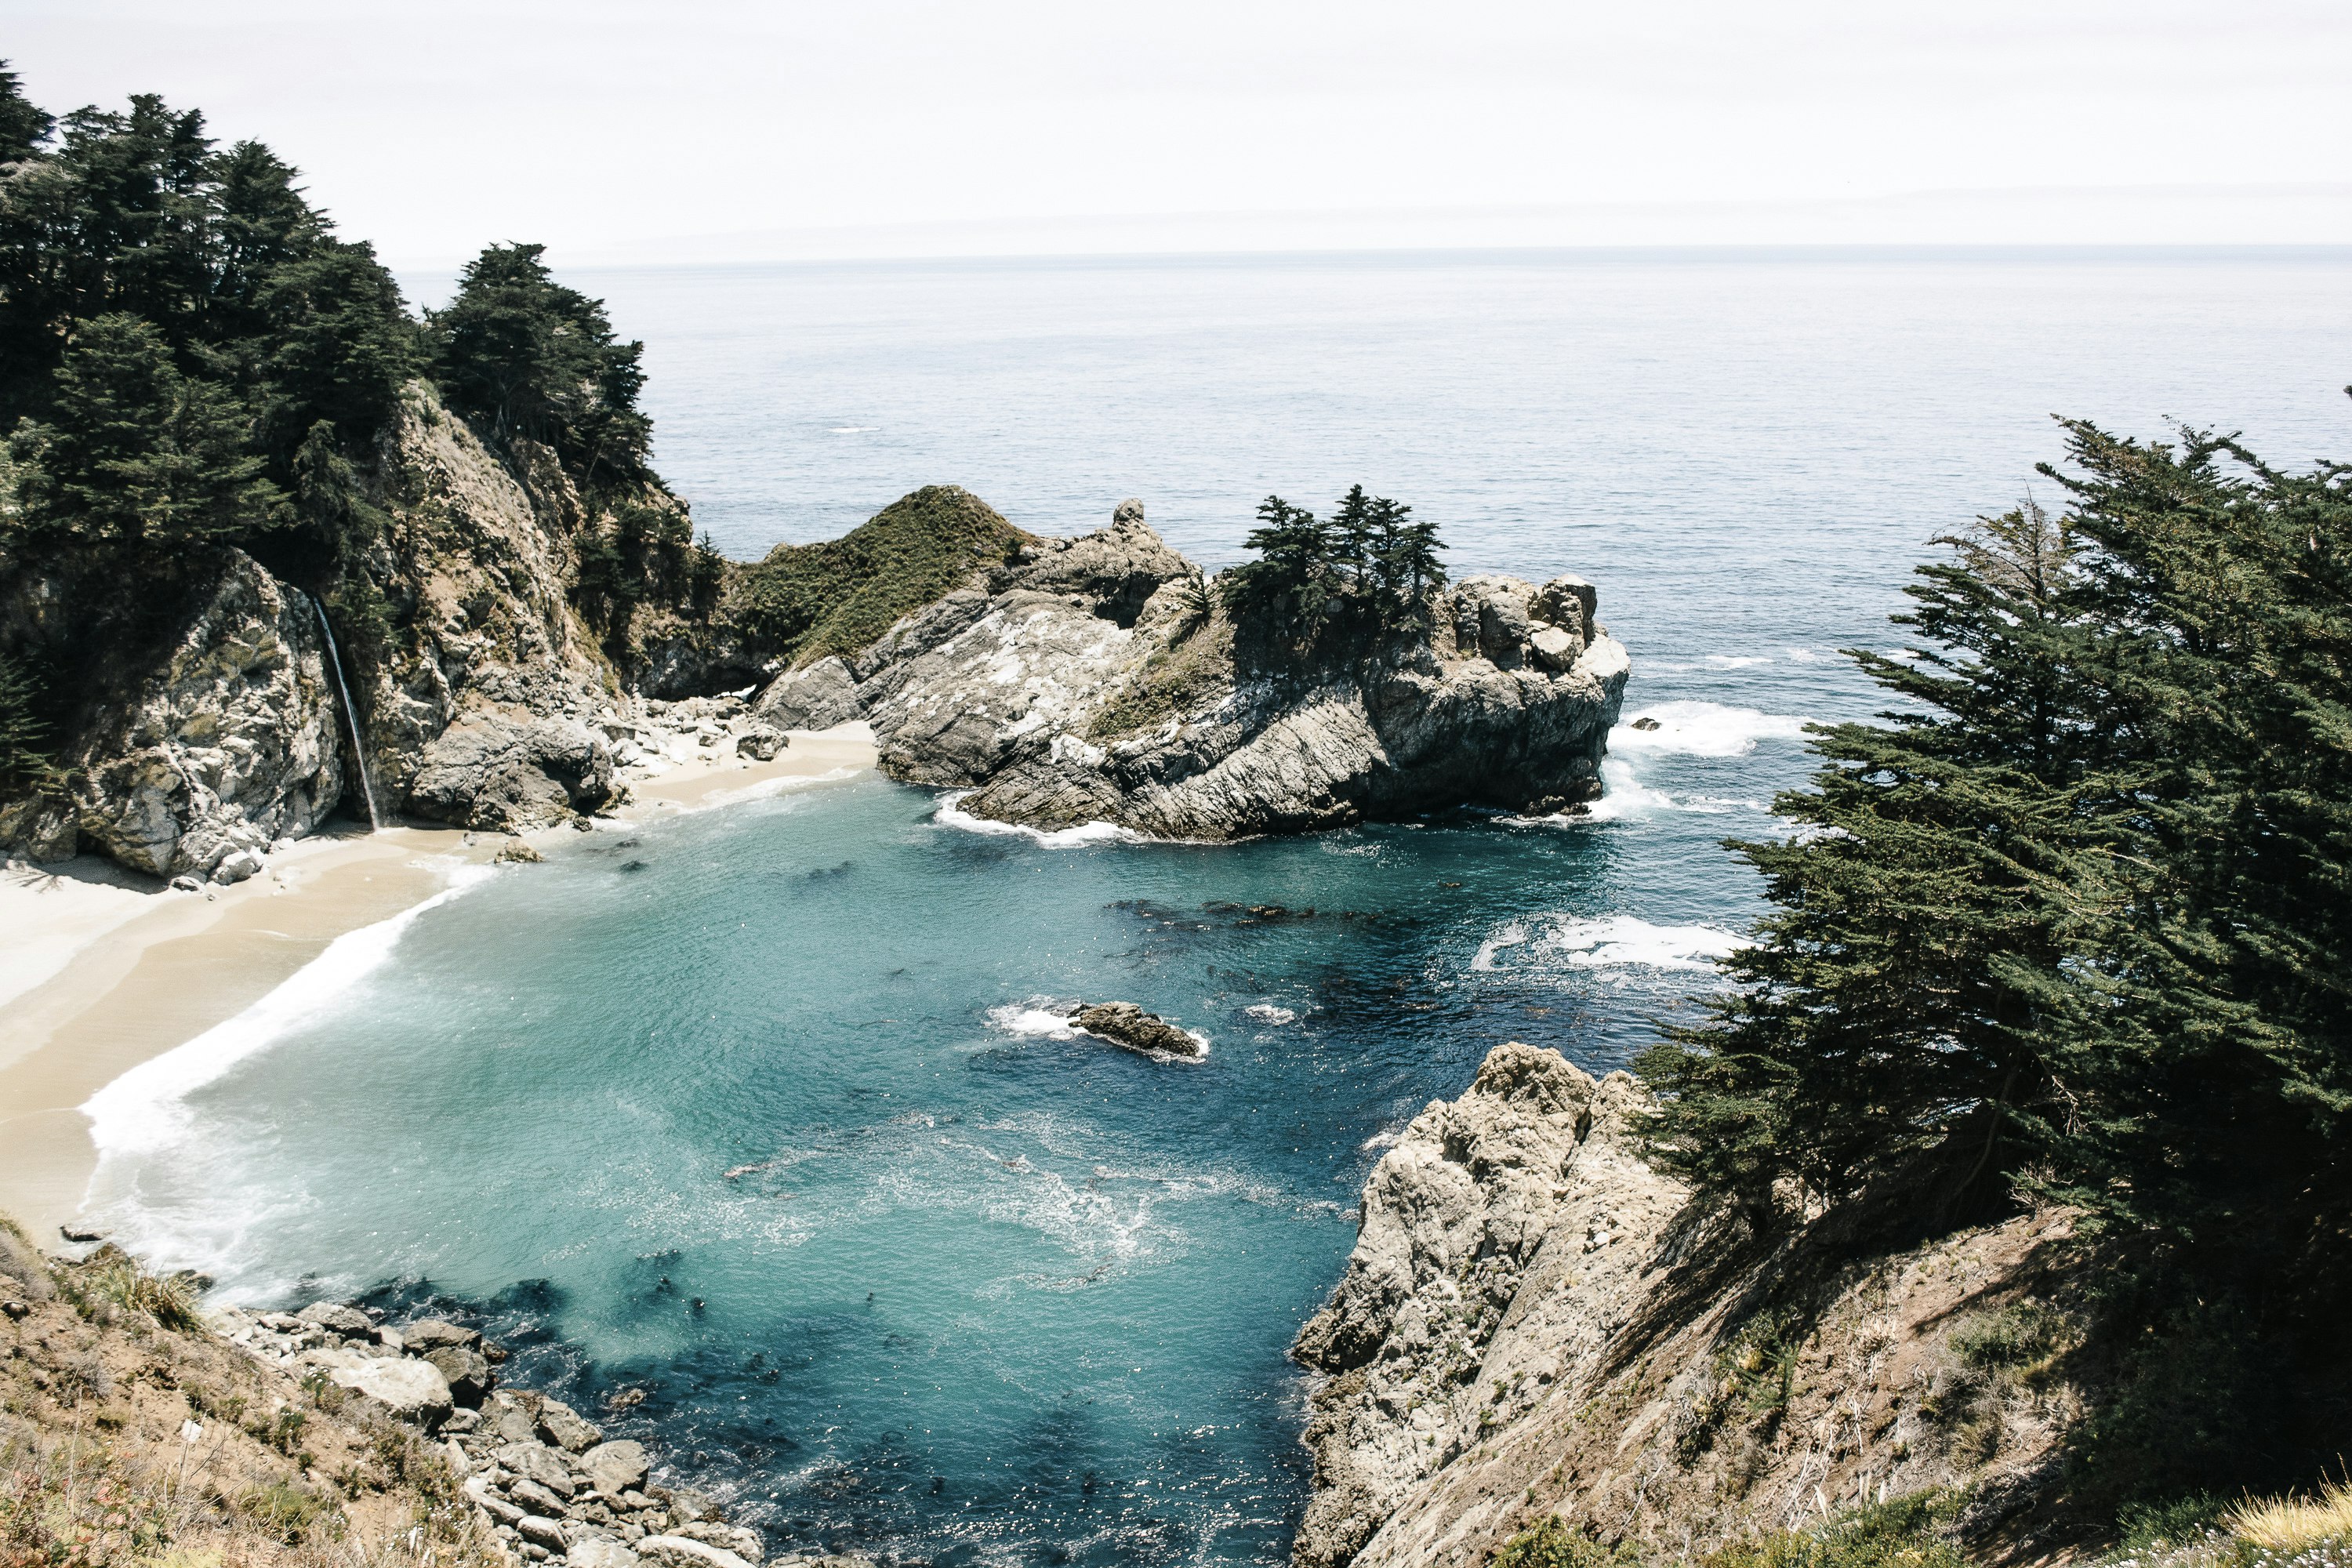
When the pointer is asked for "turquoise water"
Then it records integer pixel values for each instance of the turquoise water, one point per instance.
(762, 1109)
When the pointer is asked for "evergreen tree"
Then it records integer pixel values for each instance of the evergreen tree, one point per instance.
(525, 356)
(134, 453)
(1877, 1021)
(23, 126)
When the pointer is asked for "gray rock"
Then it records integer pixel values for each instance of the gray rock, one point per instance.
(40, 829)
(186, 884)
(348, 1321)
(427, 1333)
(616, 1468)
(761, 744)
(498, 1508)
(817, 698)
(230, 742)
(508, 1420)
(469, 1371)
(678, 1551)
(742, 1541)
(599, 1551)
(412, 1391)
(496, 773)
(237, 865)
(689, 1504)
(562, 1426)
(1092, 680)
(537, 1497)
(538, 1462)
(548, 1532)
(1125, 1025)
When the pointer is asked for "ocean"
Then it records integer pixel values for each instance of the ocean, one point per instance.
(766, 1111)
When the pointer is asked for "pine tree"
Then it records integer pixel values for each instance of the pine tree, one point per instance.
(1878, 1030)
(134, 453)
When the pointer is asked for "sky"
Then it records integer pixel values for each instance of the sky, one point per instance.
(724, 129)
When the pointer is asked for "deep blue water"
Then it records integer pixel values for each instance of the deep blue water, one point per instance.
(756, 1109)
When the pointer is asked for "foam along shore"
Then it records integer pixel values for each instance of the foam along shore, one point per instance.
(104, 971)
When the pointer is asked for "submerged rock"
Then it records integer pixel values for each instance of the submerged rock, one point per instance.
(1125, 1025)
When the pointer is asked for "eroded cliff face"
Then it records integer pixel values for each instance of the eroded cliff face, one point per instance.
(1534, 1322)
(488, 709)
(1095, 679)
(229, 744)
(481, 701)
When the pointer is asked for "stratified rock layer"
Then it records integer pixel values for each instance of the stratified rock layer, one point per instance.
(1095, 679)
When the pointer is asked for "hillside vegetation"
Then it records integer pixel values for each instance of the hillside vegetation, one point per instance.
(808, 602)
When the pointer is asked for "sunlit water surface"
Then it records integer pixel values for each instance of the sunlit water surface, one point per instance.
(764, 1111)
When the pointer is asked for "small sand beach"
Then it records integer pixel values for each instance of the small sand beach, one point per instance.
(102, 968)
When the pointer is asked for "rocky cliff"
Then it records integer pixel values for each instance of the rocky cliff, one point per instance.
(218, 729)
(1098, 680)
(1534, 1323)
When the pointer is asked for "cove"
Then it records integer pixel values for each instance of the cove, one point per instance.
(760, 1111)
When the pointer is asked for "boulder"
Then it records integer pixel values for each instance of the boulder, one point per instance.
(538, 1462)
(742, 1541)
(496, 773)
(237, 865)
(348, 1322)
(537, 1497)
(412, 1391)
(761, 744)
(469, 1371)
(548, 1532)
(687, 1503)
(596, 1551)
(616, 1468)
(428, 1333)
(566, 1427)
(1125, 1024)
(678, 1551)
(1554, 649)
(508, 1420)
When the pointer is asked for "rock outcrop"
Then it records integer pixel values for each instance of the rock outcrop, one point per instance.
(1534, 1322)
(481, 698)
(228, 744)
(1129, 1026)
(1096, 679)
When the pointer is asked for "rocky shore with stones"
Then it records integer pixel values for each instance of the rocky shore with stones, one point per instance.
(549, 1485)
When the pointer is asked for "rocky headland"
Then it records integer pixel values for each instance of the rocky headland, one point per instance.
(1055, 682)
(1102, 679)
(1535, 1324)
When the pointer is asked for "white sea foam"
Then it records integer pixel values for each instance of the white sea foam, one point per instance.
(950, 814)
(1736, 660)
(1703, 730)
(1491, 950)
(1033, 1018)
(146, 1108)
(1384, 1139)
(1267, 1011)
(1614, 941)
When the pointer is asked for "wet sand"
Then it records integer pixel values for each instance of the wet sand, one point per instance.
(104, 969)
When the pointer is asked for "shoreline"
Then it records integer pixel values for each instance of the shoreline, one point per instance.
(106, 970)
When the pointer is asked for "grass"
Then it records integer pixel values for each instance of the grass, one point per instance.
(808, 602)
(2293, 1523)
(1902, 1532)
(1170, 683)
(112, 1279)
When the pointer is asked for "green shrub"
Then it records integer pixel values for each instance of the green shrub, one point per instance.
(1552, 1542)
(1904, 1532)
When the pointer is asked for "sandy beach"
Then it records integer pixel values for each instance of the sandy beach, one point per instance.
(101, 969)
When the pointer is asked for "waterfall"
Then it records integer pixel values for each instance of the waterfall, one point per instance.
(351, 718)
